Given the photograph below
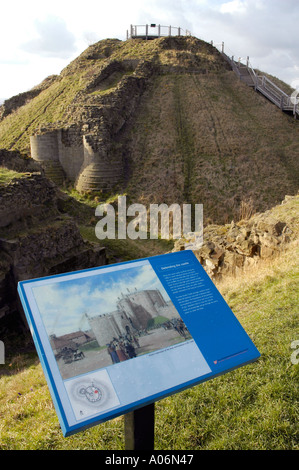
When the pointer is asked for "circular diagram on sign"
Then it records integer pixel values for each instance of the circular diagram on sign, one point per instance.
(93, 394)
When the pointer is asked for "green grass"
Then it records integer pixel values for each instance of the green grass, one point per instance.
(254, 407)
(50, 106)
(126, 250)
(6, 176)
(82, 208)
(110, 84)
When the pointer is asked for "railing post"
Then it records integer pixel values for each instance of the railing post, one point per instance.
(131, 27)
(159, 30)
(146, 31)
(169, 31)
(179, 31)
(247, 62)
(222, 50)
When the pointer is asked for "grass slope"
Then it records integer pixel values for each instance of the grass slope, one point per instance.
(254, 407)
(48, 107)
(211, 139)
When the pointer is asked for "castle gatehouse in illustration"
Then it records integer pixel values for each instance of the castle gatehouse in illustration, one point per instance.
(134, 312)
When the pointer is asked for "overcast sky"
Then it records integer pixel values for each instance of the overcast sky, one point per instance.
(39, 38)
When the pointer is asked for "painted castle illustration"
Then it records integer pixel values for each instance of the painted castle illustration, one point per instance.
(134, 311)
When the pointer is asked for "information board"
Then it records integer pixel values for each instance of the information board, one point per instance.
(118, 337)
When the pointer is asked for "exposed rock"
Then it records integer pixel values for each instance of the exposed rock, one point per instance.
(231, 248)
(13, 160)
(37, 237)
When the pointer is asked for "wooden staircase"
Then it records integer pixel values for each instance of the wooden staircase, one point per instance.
(262, 84)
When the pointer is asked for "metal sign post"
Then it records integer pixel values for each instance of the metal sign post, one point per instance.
(140, 428)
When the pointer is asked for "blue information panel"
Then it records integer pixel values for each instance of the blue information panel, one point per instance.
(118, 337)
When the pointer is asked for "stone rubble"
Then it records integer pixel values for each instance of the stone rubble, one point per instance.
(37, 237)
(232, 248)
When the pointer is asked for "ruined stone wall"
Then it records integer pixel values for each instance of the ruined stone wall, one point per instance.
(82, 159)
(36, 239)
(31, 195)
(13, 160)
(83, 152)
(60, 153)
(100, 170)
(45, 150)
(233, 248)
(44, 147)
(71, 151)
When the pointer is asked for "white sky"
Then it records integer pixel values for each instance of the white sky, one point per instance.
(39, 38)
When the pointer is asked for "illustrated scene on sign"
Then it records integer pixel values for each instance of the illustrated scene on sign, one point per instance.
(107, 318)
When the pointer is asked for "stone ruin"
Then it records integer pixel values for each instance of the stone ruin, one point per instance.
(87, 151)
(230, 249)
(38, 238)
(82, 152)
